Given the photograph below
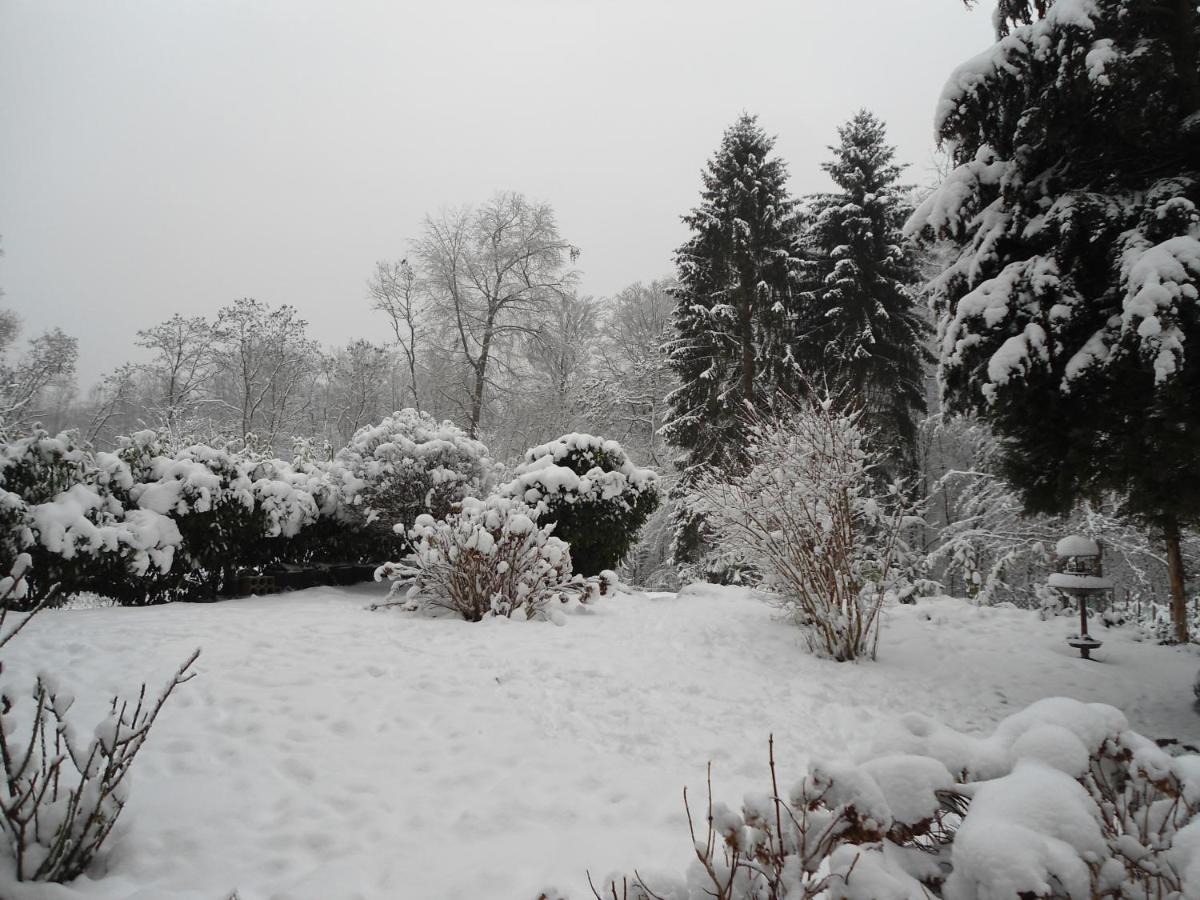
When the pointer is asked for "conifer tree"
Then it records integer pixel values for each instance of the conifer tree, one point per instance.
(863, 334)
(1070, 318)
(734, 307)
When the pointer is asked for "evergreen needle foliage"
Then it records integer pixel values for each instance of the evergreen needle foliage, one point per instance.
(863, 333)
(1069, 317)
(735, 307)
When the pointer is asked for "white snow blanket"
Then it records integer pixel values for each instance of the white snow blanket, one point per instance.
(326, 752)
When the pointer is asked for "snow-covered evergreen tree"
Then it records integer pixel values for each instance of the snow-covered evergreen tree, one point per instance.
(1069, 317)
(863, 334)
(735, 306)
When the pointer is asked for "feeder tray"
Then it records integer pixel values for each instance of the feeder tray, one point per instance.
(1084, 642)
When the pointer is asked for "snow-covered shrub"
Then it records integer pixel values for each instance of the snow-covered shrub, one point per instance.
(150, 522)
(62, 794)
(208, 492)
(67, 507)
(1151, 619)
(1062, 800)
(597, 498)
(808, 515)
(407, 466)
(492, 557)
(649, 564)
(986, 547)
(233, 508)
(711, 558)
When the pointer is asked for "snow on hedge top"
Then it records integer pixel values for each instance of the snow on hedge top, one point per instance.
(410, 443)
(1061, 800)
(1029, 834)
(66, 504)
(1032, 827)
(609, 473)
(1057, 731)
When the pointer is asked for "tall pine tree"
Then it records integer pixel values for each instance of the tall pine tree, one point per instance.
(862, 332)
(735, 309)
(1070, 318)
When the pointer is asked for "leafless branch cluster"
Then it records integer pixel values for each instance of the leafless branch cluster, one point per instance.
(981, 543)
(490, 558)
(838, 834)
(780, 848)
(62, 797)
(811, 519)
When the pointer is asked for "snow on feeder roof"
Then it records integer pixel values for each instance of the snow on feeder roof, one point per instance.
(1073, 582)
(1076, 545)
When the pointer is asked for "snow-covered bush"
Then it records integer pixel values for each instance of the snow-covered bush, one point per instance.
(1149, 617)
(809, 516)
(62, 795)
(152, 521)
(407, 466)
(491, 558)
(649, 563)
(64, 505)
(982, 543)
(211, 495)
(596, 497)
(1062, 800)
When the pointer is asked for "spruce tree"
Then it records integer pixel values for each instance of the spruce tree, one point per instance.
(734, 308)
(1069, 319)
(863, 334)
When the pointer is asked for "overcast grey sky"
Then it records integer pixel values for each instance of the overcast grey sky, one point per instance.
(160, 157)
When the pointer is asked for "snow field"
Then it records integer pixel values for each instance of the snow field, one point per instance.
(330, 752)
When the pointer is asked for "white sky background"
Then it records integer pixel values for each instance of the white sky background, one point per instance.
(167, 156)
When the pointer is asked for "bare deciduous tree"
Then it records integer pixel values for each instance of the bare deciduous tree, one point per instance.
(110, 401)
(40, 381)
(489, 272)
(394, 290)
(559, 355)
(633, 378)
(182, 365)
(360, 386)
(262, 357)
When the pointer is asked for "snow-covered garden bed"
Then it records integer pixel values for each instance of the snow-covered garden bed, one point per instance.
(326, 751)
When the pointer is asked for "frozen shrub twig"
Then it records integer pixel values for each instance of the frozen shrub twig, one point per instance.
(1060, 801)
(61, 798)
(811, 517)
(490, 558)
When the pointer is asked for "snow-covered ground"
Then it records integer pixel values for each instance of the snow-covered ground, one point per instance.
(329, 752)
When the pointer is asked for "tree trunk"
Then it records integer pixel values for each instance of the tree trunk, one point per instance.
(412, 377)
(1175, 575)
(476, 405)
(1181, 35)
(480, 384)
(747, 329)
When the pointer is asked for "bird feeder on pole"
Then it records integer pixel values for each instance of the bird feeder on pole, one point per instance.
(1080, 576)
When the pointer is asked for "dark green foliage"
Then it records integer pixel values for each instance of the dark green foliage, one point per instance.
(407, 465)
(1069, 320)
(1071, 173)
(34, 469)
(599, 514)
(735, 308)
(863, 339)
